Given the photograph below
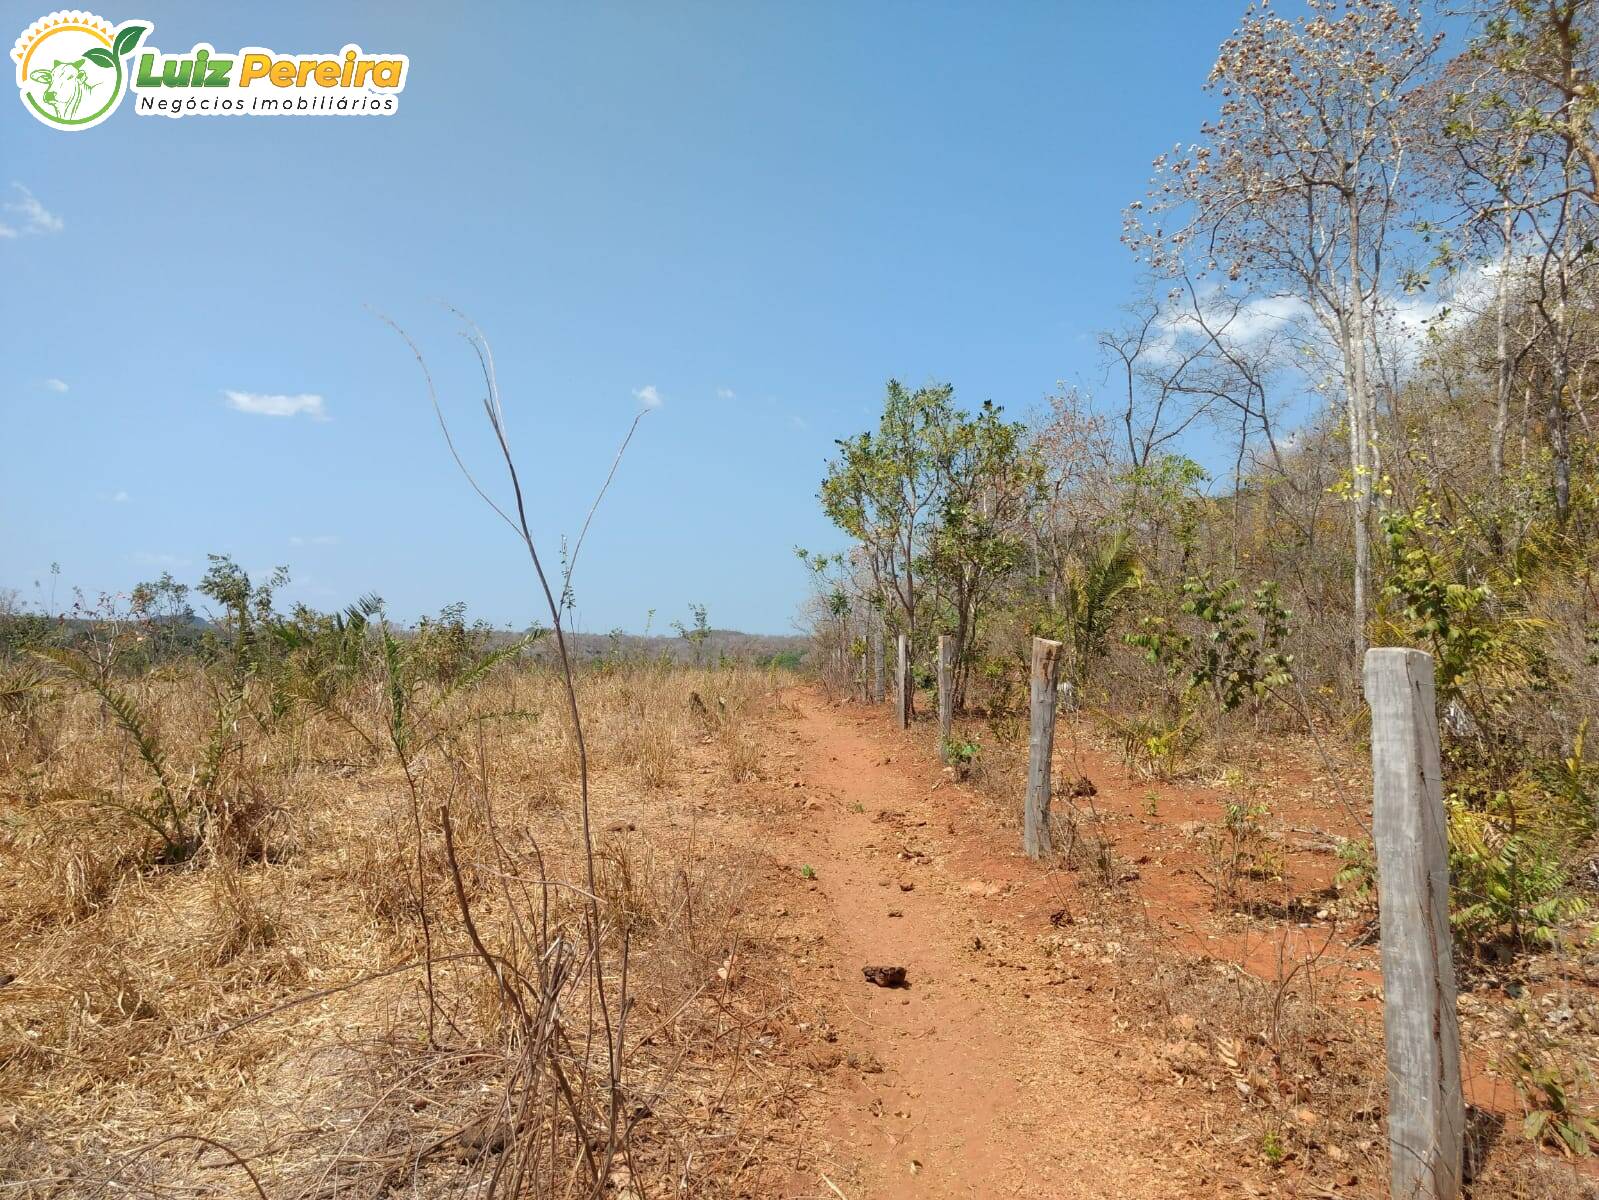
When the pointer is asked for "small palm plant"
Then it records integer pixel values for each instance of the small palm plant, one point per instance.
(175, 809)
(1094, 591)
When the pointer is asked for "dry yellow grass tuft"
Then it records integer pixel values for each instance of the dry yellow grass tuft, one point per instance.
(377, 974)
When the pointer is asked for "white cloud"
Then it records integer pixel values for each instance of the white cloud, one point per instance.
(1257, 318)
(648, 396)
(798, 422)
(724, 393)
(320, 539)
(1178, 331)
(28, 215)
(1453, 302)
(1405, 320)
(120, 497)
(1414, 315)
(263, 404)
(56, 385)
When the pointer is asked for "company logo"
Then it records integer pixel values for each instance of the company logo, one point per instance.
(74, 67)
(71, 67)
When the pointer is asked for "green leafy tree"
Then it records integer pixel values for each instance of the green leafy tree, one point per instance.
(695, 635)
(883, 489)
(991, 477)
(246, 607)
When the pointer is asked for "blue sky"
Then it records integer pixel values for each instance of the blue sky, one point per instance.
(759, 211)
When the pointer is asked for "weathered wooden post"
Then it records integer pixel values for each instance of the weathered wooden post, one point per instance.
(1040, 748)
(1426, 1110)
(879, 660)
(946, 693)
(902, 675)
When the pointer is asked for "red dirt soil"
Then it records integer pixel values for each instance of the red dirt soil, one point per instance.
(986, 1075)
(1006, 1066)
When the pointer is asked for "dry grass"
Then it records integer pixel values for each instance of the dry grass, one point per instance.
(260, 1018)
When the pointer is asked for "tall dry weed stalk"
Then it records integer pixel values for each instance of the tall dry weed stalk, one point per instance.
(534, 1000)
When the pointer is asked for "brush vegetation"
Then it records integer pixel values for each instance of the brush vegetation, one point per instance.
(296, 901)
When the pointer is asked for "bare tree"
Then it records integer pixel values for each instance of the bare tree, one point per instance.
(1298, 189)
(1511, 140)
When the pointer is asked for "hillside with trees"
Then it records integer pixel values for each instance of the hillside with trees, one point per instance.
(1353, 408)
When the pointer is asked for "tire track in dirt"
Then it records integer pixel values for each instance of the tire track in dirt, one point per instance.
(996, 1078)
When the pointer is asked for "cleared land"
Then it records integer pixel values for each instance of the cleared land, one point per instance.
(260, 1018)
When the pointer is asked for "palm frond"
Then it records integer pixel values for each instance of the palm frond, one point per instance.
(132, 722)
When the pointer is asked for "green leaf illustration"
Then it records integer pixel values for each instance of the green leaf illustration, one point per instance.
(128, 38)
(100, 57)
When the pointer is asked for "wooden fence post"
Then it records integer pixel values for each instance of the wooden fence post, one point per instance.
(902, 675)
(1040, 748)
(946, 693)
(1426, 1110)
(879, 661)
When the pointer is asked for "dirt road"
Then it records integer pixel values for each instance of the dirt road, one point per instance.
(996, 1071)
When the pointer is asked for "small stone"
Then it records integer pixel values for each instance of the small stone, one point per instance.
(885, 977)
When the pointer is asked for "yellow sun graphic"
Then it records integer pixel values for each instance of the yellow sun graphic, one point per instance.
(56, 23)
